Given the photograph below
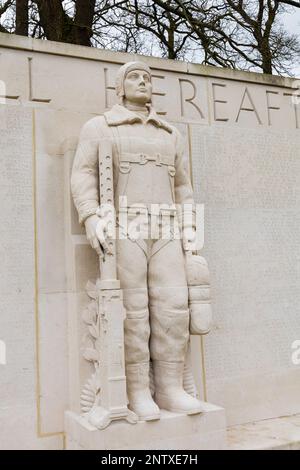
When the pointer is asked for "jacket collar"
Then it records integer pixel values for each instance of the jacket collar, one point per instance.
(119, 115)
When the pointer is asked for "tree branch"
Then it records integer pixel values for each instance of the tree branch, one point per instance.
(3, 30)
(293, 3)
(5, 7)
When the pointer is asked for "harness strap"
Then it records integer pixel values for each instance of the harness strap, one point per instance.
(143, 158)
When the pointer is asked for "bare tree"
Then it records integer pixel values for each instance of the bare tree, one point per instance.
(243, 34)
(22, 17)
(239, 33)
(170, 30)
(58, 25)
(5, 8)
(56, 20)
(117, 31)
(293, 3)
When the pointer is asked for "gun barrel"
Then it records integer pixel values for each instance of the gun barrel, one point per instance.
(108, 265)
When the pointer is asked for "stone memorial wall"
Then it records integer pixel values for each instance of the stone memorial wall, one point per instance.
(242, 135)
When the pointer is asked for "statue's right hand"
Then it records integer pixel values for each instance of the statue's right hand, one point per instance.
(91, 234)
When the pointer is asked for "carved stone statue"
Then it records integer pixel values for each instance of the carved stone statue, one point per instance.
(163, 296)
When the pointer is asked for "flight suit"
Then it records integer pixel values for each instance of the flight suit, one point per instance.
(148, 169)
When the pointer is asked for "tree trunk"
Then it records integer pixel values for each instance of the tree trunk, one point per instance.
(83, 22)
(54, 20)
(171, 43)
(22, 17)
(266, 55)
(58, 26)
(267, 65)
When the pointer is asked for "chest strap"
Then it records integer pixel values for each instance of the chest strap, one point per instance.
(143, 158)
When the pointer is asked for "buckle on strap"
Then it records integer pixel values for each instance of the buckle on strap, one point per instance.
(171, 170)
(124, 167)
(143, 159)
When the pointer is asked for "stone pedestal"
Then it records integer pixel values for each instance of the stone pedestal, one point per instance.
(172, 432)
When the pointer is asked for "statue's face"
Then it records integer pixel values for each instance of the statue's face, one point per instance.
(137, 87)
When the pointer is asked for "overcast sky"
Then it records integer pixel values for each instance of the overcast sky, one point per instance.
(292, 22)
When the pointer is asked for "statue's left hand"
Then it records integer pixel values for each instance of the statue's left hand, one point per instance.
(189, 239)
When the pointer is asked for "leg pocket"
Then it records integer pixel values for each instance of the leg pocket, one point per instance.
(169, 334)
(172, 171)
(136, 336)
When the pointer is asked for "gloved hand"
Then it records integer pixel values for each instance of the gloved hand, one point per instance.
(187, 225)
(96, 233)
(189, 239)
(199, 294)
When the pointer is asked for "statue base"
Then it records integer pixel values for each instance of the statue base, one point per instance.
(173, 431)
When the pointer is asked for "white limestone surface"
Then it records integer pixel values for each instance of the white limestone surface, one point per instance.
(242, 142)
(271, 434)
(174, 431)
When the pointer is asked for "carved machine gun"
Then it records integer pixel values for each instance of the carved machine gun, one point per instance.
(111, 398)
